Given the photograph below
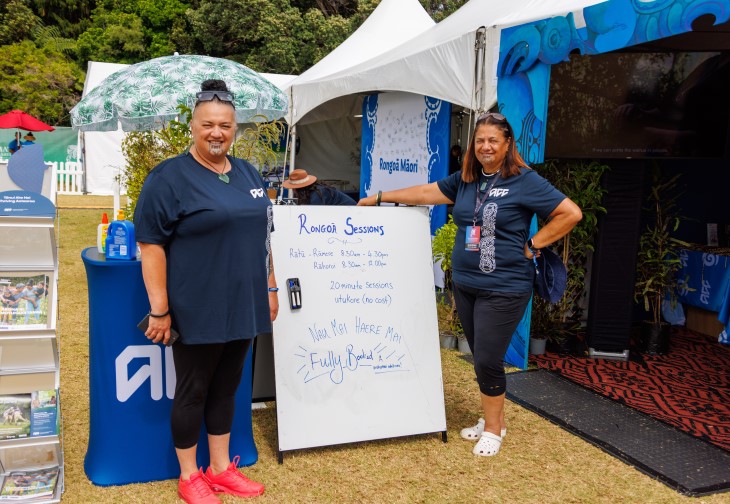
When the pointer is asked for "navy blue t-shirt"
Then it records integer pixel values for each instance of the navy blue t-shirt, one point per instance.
(504, 219)
(217, 243)
(330, 196)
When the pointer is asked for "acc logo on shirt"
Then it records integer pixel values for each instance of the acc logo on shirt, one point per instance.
(498, 192)
(257, 193)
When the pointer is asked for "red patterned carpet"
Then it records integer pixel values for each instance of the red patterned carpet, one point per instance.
(689, 388)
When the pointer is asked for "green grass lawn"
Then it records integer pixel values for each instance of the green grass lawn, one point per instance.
(539, 462)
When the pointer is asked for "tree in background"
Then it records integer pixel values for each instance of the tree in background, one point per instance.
(39, 81)
(114, 37)
(16, 22)
(267, 35)
(441, 9)
(282, 36)
(130, 31)
(336, 7)
(70, 16)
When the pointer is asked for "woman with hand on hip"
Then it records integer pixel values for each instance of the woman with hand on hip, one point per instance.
(495, 196)
(203, 223)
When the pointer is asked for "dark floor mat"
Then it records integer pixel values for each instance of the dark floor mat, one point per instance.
(686, 464)
(688, 388)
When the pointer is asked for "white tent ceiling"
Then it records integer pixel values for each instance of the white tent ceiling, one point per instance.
(438, 62)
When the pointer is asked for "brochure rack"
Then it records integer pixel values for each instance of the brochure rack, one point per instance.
(29, 351)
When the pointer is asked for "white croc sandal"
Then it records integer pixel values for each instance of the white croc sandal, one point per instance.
(474, 433)
(488, 445)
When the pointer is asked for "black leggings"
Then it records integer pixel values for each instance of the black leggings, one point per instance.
(207, 380)
(489, 319)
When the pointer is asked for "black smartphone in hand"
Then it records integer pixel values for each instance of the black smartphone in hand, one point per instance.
(144, 324)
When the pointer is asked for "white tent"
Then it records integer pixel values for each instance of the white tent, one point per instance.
(102, 156)
(330, 133)
(100, 152)
(440, 62)
(389, 25)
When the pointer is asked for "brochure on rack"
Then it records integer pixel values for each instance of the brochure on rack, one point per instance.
(15, 421)
(23, 301)
(44, 413)
(35, 484)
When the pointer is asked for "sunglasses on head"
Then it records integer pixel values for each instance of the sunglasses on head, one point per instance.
(497, 116)
(224, 96)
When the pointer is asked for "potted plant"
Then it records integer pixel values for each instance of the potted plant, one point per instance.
(658, 261)
(450, 327)
(581, 182)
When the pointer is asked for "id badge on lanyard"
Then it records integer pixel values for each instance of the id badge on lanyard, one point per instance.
(472, 238)
(473, 233)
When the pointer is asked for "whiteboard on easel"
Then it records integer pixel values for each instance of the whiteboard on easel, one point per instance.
(360, 360)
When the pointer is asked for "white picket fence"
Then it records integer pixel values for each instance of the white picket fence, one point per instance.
(69, 177)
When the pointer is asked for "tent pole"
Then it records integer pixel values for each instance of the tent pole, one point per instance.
(480, 45)
(117, 192)
(81, 159)
(478, 96)
(292, 139)
(292, 147)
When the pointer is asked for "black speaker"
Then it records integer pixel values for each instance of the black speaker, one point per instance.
(611, 302)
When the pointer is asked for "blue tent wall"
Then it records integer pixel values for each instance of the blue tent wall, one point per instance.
(528, 51)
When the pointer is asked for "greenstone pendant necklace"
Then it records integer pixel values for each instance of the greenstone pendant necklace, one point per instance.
(221, 175)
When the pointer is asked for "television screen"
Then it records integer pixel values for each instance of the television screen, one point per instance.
(639, 105)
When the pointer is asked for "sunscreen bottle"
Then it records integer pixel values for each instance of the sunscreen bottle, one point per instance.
(101, 233)
(120, 242)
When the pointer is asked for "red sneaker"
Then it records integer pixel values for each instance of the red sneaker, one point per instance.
(196, 490)
(233, 482)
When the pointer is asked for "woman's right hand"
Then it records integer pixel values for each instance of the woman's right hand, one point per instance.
(368, 201)
(158, 329)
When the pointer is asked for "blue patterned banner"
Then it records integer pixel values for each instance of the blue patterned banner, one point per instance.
(405, 142)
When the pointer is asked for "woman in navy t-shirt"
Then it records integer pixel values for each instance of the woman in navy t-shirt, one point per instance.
(495, 196)
(203, 223)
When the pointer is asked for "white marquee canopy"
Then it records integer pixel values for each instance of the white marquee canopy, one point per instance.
(439, 61)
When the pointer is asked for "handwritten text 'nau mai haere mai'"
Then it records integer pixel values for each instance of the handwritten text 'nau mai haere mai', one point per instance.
(360, 327)
(332, 365)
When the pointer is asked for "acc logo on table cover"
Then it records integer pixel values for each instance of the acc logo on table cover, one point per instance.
(257, 193)
(127, 385)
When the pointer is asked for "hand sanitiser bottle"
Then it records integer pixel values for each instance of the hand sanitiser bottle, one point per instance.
(120, 242)
(101, 233)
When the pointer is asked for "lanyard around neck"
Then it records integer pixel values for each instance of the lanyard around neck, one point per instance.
(481, 201)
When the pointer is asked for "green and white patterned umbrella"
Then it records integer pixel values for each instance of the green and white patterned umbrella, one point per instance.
(145, 95)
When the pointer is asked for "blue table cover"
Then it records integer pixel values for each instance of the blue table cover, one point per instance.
(132, 382)
(707, 286)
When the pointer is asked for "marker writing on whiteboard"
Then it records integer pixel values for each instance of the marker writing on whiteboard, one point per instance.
(330, 363)
(350, 228)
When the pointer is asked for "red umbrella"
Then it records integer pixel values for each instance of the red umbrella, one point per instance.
(21, 120)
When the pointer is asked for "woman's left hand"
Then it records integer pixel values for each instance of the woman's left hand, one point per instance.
(273, 305)
(529, 254)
